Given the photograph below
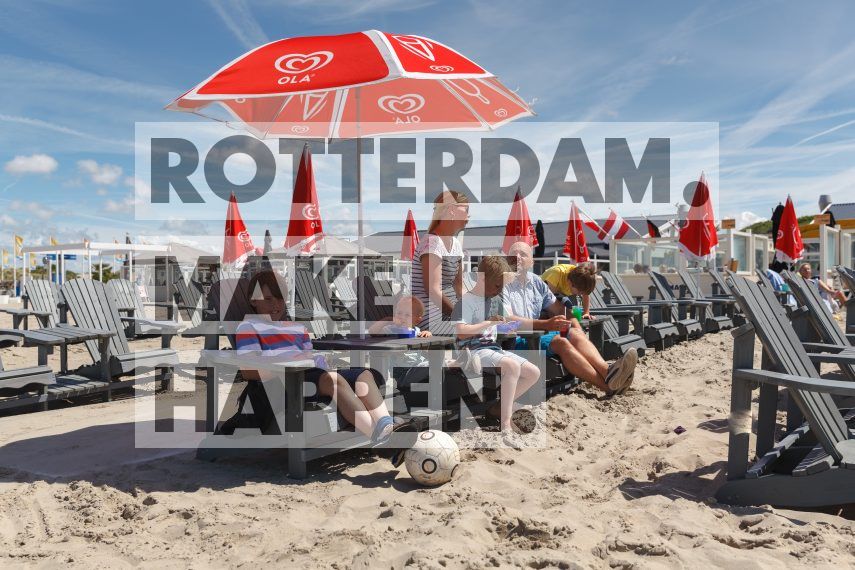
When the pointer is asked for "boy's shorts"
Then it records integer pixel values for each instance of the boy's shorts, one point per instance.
(492, 358)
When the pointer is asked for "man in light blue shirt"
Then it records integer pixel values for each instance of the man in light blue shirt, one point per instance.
(526, 296)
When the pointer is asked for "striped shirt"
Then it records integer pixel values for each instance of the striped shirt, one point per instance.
(451, 259)
(280, 338)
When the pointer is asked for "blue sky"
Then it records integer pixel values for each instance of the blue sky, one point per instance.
(778, 77)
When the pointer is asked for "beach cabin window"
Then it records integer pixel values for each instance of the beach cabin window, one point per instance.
(628, 255)
(740, 251)
(664, 257)
(761, 252)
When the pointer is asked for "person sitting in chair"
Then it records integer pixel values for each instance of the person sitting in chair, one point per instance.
(832, 297)
(354, 390)
(526, 296)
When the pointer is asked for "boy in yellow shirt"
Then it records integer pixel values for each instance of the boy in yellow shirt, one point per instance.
(567, 280)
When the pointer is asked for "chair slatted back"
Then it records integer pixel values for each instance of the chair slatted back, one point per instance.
(126, 295)
(311, 292)
(191, 298)
(787, 354)
(610, 328)
(723, 287)
(618, 288)
(344, 289)
(43, 295)
(379, 299)
(93, 307)
(847, 278)
(691, 285)
(823, 321)
(763, 279)
(663, 289)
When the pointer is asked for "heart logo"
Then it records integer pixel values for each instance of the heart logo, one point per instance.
(299, 129)
(501, 113)
(240, 100)
(403, 105)
(294, 63)
(442, 68)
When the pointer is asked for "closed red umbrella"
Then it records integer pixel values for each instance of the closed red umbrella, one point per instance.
(519, 226)
(575, 245)
(789, 247)
(411, 238)
(305, 228)
(237, 243)
(698, 235)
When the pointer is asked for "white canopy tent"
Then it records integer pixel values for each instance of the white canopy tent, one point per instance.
(88, 249)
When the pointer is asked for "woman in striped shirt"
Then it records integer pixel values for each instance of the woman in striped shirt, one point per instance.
(437, 267)
(354, 390)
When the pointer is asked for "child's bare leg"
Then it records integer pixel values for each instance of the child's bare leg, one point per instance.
(587, 349)
(529, 375)
(348, 404)
(510, 377)
(369, 394)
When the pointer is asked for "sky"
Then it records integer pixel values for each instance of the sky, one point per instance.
(776, 77)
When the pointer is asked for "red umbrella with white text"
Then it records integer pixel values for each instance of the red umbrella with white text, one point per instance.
(788, 244)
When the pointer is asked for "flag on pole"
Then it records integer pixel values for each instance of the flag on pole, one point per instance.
(789, 247)
(19, 245)
(411, 238)
(615, 227)
(5, 258)
(519, 226)
(653, 230)
(698, 236)
(118, 256)
(237, 243)
(575, 246)
(305, 228)
(53, 241)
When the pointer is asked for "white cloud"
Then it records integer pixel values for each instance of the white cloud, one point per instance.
(238, 18)
(37, 209)
(33, 164)
(102, 191)
(125, 206)
(8, 220)
(747, 218)
(105, 173)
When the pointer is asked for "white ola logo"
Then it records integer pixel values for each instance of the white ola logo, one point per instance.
(244, 236)
(310, 212)
(301, 64)
(402, 105)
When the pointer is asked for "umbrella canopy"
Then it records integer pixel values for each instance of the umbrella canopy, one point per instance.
(575, 246)
(327, 246)
(354, 85)
(519, 226)
(237, 243)
(698, 235)
(788, 240)
(305, 227)
(411, 238)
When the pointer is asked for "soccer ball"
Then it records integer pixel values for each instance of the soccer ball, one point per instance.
(433, 459)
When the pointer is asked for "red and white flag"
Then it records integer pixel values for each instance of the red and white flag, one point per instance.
(411, 238)
(519, 227)
(305, 228)
(237, 244)
(615, 227)
(788, 244)
(575, 246)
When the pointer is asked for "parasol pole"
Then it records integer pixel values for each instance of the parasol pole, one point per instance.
(360, 238)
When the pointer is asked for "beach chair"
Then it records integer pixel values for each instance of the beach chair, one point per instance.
(312, 293)
(616, 336)
(93, 307)
(659, 331)
(847, 280)
(814, 464)
(190, 300)
(722, 317)
(41, 300)
(346, 293)
(681, 309)
(783, 296)
(133, 310)
(815, 325)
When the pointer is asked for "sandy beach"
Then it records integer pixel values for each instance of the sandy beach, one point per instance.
(614, 486)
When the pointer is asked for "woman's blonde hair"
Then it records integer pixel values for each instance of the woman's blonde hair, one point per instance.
(443, 201)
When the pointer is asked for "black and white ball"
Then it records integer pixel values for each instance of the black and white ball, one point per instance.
(434, 458)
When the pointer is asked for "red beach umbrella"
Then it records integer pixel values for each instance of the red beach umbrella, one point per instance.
(305, 228)
(698, 236)
(237, 243)
(519, 226)
(411, 238)
(789, 247)
(575, 246)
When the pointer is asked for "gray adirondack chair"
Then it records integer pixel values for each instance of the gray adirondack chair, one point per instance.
(783, 297)
(132, 310)
(311, 293)
(814, 464)
(722, 317)
(681, 309)
(22, 386)
(847, 278)
(616, 336)
(190, 299)
(815, 325)
(41, 300)
(658, 331)
(92, 306)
